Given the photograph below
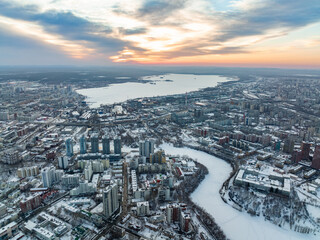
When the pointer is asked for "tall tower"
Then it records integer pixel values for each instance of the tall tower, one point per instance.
(117, 146)
(69, 147)
(146, 148)
(105, 144)
(48, 176)
(94, 143)
(316, 158)
(305, 148)
(110, 200)
(83, 145)
(141, 148)
(158, 157)
(63, 162)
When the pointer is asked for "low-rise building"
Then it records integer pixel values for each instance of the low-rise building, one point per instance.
(8, 231)
(269, 182)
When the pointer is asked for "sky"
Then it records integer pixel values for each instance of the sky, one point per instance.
(249, 33)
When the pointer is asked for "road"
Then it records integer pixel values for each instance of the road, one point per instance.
(124, 190)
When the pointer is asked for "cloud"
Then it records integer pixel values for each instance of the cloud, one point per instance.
(59, 22)
(10, 40)
(54, 21)
(256, 21)
(232, 31)
(148, 30)
(258, 17)
(133, 31)
(12, 10)
(66, 24)
(156, 12)
(18, 50)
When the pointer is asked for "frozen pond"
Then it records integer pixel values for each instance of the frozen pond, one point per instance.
(236, 225)
(160, 85)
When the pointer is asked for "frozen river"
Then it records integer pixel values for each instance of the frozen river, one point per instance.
(159, 85)
(236, 225)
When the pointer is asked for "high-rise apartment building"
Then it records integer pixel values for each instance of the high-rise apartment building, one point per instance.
(105, 145)
(185, 220)
(94, 143)
(305, 149)
(63, 162)
(83, 145)
(316, 158)
(30, 203)
(69, 181)
(158, 157)
(48, 176)
(110, 200)
(117, 146)
(146, 148)
(69, 147)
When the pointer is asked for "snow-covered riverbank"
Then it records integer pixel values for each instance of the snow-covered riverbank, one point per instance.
(236, 225)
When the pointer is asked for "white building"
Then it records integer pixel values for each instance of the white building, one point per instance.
(43, 233)
(48, 176)
(63, 162)
(110, 200)
(70, 181)
(58, 175)
(28, 171)
(88, 171)
(84, 188)
(134, 180)
(97, 167)
(265, 181)
(10, 157)
(3, 209)
(8, 231)
(142, 194)
(143, 208)
(4, 116)
(146, 148)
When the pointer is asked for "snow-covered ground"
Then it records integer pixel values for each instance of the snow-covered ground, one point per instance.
(314, 212)
(236, 225)
(179, 84)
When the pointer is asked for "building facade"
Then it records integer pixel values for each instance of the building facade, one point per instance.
(69, 147)
(110, 200)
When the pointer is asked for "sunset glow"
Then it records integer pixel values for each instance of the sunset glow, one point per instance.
(239, 33)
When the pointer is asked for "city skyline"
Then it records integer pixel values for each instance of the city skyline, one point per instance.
(243, 33)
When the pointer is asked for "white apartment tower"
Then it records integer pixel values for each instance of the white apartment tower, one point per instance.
(110, 200)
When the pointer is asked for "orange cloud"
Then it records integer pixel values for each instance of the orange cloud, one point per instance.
(247, 32)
